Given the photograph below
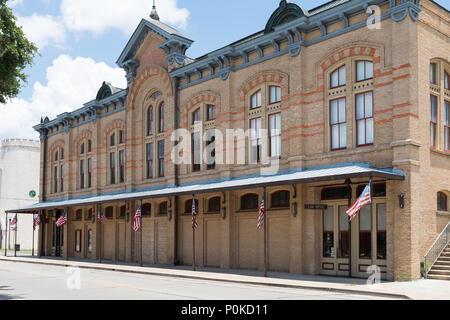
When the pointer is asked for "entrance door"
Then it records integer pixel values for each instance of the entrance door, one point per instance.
(58, 241)
(335, 241)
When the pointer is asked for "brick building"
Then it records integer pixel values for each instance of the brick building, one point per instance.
(345, 102)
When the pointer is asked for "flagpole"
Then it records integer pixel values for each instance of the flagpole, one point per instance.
(193, 234)
(265, 235)
(99, 210)
(15, 237)
(142, 227)
(32, 241)
(6, 236)
(349, 230)
(371, 207)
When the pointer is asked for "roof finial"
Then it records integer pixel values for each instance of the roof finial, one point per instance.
(154, 14)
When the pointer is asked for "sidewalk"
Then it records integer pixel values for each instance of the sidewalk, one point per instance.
(417, 290)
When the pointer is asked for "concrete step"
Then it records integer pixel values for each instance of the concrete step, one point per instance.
(440, 272)
(442, 263)
(441, 267)
(443, 258)
(438, 277)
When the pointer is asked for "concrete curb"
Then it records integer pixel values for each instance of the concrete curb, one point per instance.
(148, 271)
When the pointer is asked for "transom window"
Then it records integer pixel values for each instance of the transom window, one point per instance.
(146, 210)
(249, 201)
(335, 193)
(281, 199)
(214, 205)
(364, 70)
(338, 77)
(109, 212)
(255, 100)
(211, 112)
(433, 77)
(163, 208)
(274, 94)
(188, 206)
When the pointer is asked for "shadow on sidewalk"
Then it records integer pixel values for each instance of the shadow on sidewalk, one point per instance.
(234, 272)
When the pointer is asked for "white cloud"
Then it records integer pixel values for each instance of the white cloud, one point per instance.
(70, 84)
(43, 30)
(13, 3)
(100, 15)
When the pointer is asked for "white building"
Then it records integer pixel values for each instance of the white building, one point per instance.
(19, 178)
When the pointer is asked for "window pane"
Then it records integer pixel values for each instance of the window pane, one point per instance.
(365, 219)
(360, 106)
(342, 76)
(343, 219)
(342, 115)
(335, 79)
(328, 223)
(369, 131)
(361, 132)
(368, 104)
(432, 73)
(433, 102)
(360, 71)
(369, 70)
(446, 81)
(334, 111)
(381, 218)
(343, 135)
(335, 137)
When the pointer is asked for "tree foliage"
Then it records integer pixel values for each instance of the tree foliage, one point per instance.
(16, 52)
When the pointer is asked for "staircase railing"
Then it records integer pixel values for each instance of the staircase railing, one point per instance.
(436, 249)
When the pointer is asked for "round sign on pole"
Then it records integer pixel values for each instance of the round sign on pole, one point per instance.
(32, 194)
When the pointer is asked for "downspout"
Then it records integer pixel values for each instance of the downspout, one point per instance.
(176, 173)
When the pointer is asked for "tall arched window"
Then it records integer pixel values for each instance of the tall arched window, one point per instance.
(442, 201)
(214, 205)
(338, 77)
(58, 170)
(281, 199)
(85, 164)
(150, 123)
(116, 157)
(161, 117)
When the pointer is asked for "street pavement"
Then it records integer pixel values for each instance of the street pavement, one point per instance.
(24, 281)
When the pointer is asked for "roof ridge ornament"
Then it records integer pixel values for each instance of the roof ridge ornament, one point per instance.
(154, 15)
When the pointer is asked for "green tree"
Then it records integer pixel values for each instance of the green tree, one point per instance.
(16, 52)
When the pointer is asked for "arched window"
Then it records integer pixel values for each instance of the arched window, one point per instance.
(161, 117)
(338, 77)
(117, 157)
(281, 199)
(85, 164)
(196, 116)
(79, 215)
(109, 212)
(146, 209)
(188, 206)
(150, 121)
(58, 170)
(249, 201)
(442, 202)
(122, 212)
(255, 100)
(163, 209)
(214, 205)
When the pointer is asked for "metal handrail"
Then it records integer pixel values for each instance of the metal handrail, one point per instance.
(436, 249)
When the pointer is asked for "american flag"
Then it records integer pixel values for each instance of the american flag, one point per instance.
(194, 215)
(101, 218)
(62, 220)
(364, 199)
(14, 221)
(261, 213)
(137, 219)
(37, 221)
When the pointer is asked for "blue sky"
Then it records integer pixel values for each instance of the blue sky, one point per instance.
(80, 41)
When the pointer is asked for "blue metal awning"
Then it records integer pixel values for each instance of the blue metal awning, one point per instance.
(337, 172)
